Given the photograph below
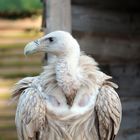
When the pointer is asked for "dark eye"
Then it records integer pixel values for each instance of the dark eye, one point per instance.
(50, 39)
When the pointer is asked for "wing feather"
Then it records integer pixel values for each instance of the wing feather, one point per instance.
(109, 111)
(21, 86)
(30, 114)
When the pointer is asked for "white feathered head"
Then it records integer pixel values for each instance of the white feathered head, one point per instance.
(59, 43)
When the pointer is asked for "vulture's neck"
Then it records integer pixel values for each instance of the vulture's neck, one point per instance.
(66, 76)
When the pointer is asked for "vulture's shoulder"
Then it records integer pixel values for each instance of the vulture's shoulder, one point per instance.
(108, 108)
(91, 72)
(21, 85)
(30, 114)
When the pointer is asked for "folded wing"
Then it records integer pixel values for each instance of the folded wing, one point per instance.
(30, 115)
(108, 111)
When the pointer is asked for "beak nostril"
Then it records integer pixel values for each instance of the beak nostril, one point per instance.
(36, 42)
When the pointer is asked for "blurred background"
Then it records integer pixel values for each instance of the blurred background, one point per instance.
(20, 22)
(107, 30)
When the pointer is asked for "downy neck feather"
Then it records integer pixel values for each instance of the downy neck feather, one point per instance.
(66, 75)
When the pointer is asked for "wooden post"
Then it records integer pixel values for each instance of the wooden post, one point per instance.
(56, 16)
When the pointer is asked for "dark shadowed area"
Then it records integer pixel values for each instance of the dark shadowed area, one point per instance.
(110, 32)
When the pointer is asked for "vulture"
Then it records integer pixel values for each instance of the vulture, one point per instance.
(70, 100)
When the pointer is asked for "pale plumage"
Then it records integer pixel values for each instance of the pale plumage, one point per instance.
(70, 100)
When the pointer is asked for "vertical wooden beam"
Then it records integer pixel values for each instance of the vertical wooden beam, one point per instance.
(58, 15)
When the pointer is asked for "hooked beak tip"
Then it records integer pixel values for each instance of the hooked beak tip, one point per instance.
(30, 48)
(26, 53)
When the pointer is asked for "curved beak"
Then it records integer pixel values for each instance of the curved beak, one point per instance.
(32, 47)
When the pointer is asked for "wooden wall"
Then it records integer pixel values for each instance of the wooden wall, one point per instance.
(110, 32)
(113, 34)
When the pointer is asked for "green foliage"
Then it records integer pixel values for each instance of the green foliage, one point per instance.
(19, 6)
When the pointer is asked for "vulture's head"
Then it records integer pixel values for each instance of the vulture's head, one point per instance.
(58, 43)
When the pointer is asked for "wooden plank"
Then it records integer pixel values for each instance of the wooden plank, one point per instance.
(83, 2)
(119, 5)
(127, 76)
(85, 18)
(130, 126)
(58, 15)
(109, 49)
(131, 113)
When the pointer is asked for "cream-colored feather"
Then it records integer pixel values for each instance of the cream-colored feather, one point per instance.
(70, 101)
